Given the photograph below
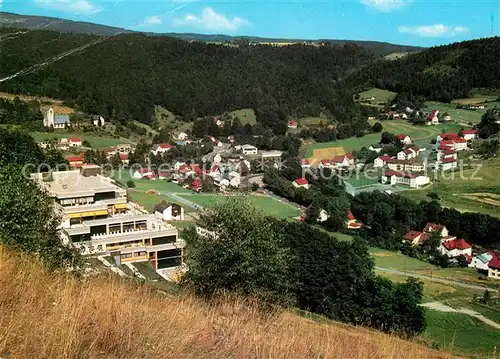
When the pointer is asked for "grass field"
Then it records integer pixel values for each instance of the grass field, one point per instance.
(379, 94)
(246, 115)
(365, 178)
(148, 201)
(421, 135)
(462, 334)
(460, 115)
(144, 185)
(465, 192)
(167, 119)
(94, 140)
(269, 205)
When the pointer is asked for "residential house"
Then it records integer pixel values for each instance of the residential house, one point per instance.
(124, 148)
(323, 216)
(301, 183)
(304, 163)
(446, 117)
(494, 267)
(50, 119)
(432, 118)
(271, 154)
(124, 158)
(451, 141)
(340, 161)
(403, 138)
(375, 148)
(219, 123)
(163, 175)
(404, 178)
(196, 185)
(446, 159)
(292, 124)
(408, 153)
(98, 121)
(249, 150)
(182, 136)
(455, 247)
(161, 148)
(449, 136)
(469, 134)
(220, 181)
(351, 222)
(481, 261)
(75, 161)
(413, 165)
(415, 237)
(442, 230)
(325, 164)
(75, 142)
(97, 219)
(144, 173)
(381, 161)
(169, 211)
(235, 182)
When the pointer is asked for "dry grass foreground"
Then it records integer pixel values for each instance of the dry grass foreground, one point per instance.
(45, 315)
(57, 105)
(325, 154)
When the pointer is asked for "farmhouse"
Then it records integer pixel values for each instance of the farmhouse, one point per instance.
(381, 161)
(455, 247)
(249, 150)
(292, 124)
(403, 138)
(432, 118)
(481, 261)
(404, 178)
(469, 134)
(75, 161)
(433, 227)
(169, 211)
(50, 119)
(415, 237)
(494, 267)
(351, 222)
(301, 183)
(161, 148)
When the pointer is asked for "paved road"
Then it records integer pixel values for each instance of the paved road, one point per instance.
(445, 308)
(435, 279)
(181, 199)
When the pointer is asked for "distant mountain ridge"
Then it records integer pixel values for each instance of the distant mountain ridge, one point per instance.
(68, 26)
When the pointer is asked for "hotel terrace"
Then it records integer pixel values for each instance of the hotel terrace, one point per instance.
(98, 220)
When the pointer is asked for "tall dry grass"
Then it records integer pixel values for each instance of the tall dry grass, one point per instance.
(44, 315)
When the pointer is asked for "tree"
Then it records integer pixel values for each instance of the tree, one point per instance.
(486, 299)
(115, 160)
(243, 254)
(377, 127)
(255, 186)
(462, 261)
(387, 138)
(130, 184)
(29, 222)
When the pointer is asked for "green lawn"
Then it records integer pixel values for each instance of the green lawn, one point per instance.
(462, 334)
(421, 135)
(94, 140)
(124, 175)
(312, 121)
(246, 115)
(364, 178)
(167, 119)
(460, 115)
(379, 94)
(148, 201)
(466, 193)
(268, 205)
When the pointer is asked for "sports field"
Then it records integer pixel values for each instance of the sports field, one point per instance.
(269, 205)
(94, 140)
(144, 185)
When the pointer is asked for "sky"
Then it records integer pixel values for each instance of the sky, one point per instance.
(411, 22)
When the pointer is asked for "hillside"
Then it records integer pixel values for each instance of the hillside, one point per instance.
(79, 27)
(46, 315)
(440, 73)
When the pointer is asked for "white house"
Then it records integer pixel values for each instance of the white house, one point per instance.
(182, 136)
(415, 237)
(304, 163)
(469, 134)
(481, 261)
(161, 148)
(235, 182)
(494, 267)
(271, 154)
(442, 230)
(74, 142)
(403, 138)
(50, 119)
(433, 119)
(249, 150)
(408, 153)
(221, 181)
(323, 216)
(292, 124)
(455, 247)
(169, 212)
(446, 117)
(144, 173)
(446, 160)
(375, 148)
(98, 122)
(124, 158)
(301, 183)
(404, 178)
(381, 161)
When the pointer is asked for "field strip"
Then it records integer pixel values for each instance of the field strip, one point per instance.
(325, 153)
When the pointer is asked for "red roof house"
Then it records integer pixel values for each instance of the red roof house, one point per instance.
(292, 124)
(456, 244)
(196, 185)
(494, 262)
(301, 181)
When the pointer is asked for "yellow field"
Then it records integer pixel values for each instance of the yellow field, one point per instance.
(325, 153)
(483, 198)
(474, 100)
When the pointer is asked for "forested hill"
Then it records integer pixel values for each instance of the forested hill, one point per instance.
(439, 73)
(126, 75)
(79, 27)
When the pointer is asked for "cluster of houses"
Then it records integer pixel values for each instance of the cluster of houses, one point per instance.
(486, 261)
(338, 162)
(448, 144)
(62, 121)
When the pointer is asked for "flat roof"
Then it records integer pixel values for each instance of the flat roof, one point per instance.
(70, 184)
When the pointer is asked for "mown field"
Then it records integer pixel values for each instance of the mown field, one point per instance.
(379, 94)
(421, 135)
(148, 201)
(125, 175)
(246, 115)
(94, 140)
(461, 115)
(269, 205)
(467, 191)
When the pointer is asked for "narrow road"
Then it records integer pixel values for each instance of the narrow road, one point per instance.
(435, 279)
(181, 199)
(445, 308)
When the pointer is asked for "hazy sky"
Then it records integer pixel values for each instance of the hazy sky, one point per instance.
(416, 22)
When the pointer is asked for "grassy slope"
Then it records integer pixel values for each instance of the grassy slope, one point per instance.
(246, 115)
(379, 94)
(94, 140)
(269, 205)
(465, 116)
(421, 135)
(60, 316)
